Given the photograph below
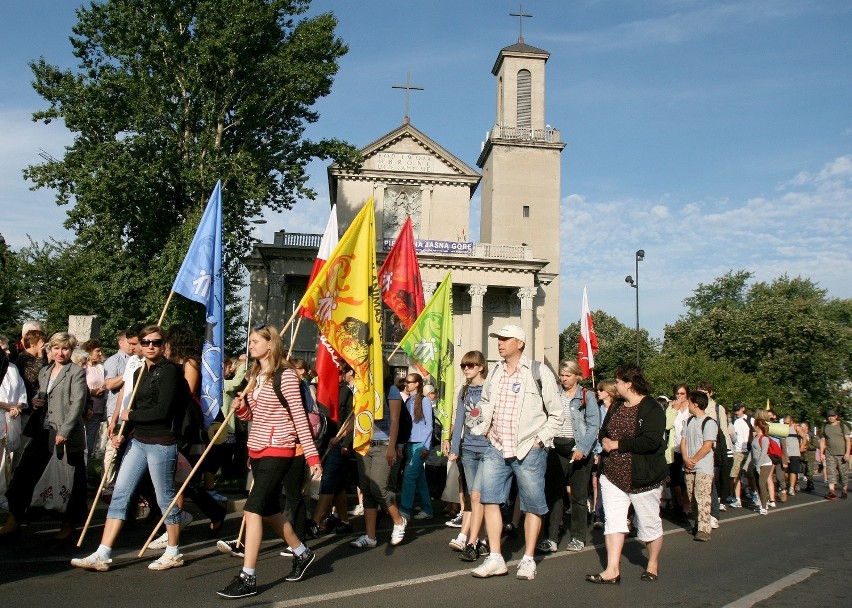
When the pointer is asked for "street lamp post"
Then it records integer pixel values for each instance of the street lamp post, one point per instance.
(640, 255)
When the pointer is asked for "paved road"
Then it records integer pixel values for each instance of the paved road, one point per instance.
(807, 538)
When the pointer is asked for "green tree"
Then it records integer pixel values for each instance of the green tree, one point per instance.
(168, 97)
(10, 290)
(785, 331)
(616, 344)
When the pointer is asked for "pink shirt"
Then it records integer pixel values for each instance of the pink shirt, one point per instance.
(507, 404)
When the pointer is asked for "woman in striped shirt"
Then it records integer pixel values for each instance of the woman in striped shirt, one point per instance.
(276, 429)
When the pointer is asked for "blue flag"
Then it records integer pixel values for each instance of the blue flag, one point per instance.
(200, 279)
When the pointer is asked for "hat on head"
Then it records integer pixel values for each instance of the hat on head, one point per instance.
(664, 397)
(738, 406)
(428, 389)
(509, 331)
(831, 413)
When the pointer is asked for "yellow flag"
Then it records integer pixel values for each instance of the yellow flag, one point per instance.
(345, 301)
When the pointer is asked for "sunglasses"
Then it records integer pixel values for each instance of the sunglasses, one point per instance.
(412, 381)
(467, 365)
(157, 342)
(259, 326)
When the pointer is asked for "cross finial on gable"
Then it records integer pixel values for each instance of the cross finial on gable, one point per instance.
(408, 88)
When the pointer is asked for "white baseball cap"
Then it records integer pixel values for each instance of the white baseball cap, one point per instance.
(509, 331)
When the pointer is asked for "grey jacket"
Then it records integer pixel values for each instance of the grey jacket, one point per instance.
(66, 402)
(540, 416)
(586, 420)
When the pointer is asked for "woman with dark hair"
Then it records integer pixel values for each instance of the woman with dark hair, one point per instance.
(416, 450)
(378, 466)
(153, 423)
(277, 427)
(61, 400)
(634, 469)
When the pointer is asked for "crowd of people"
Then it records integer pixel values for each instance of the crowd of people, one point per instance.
(524, 444)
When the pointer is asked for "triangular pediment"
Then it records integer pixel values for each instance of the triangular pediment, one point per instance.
(408, 150)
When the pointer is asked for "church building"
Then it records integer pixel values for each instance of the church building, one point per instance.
(510, 276)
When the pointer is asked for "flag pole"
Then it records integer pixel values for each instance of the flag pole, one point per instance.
(293, 338)
(289, 321)
(109, 465)
(187, 480)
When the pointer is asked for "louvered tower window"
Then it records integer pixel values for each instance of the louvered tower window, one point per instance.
(524, 99)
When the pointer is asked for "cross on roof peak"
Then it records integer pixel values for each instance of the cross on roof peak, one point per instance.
(520, 15)
(408, 88)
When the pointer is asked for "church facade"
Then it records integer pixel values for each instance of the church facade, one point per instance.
(510, 276)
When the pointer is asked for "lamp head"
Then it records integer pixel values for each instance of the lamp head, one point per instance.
(629, 280)
(640, 255)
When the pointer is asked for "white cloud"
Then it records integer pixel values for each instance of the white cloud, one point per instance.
(804, 231)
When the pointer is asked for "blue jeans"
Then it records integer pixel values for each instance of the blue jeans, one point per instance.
(497, 479)
(414, 480)
(472, 468)
(159, 460)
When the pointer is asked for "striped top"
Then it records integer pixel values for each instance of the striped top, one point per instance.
(272, 431)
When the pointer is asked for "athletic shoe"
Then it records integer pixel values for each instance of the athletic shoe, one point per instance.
(343, 527)
(457, 545)
(598, 525)
(722, 507)
(526, 570)
(287, 552)
(92, 562)
(423, 515)
(547, 546)
(166, 561)
(737, 504)
(243, 585)
(312, 530)
(510, 530)
(792, 492)
(363, 542)
(575, 545)
(328, 525)
(216, 496)
(714, 523)
(357, 511)
(469, 553)
(234, 548)
(771, 504)
(494, 565)
(163, 540)
(398, 532)
(300, 566)
(703, 537)
(763, 511)
(455, 522)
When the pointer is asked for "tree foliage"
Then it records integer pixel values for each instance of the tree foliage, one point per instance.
(616, 344)
(785, 332)
(168, 97)
(10, 290)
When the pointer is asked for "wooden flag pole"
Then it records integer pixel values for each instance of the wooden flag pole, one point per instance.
(289, 321)
(109, 465)
(188, 479)
(295, 333)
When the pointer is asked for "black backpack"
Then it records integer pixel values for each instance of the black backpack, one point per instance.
(405, 424)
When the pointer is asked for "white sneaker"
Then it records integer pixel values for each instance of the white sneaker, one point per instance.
(166, 561)
(456, 544)
(423, 515)
(163, 540)
(494, 565)
(398, 532)
(714, 523)
(575, 545)
(547, 546)
(771, 504)
(358, 510)
(526, 570)
(455, 522)
(233, 548)
(92, 562)
(363, 542)
(722, 507)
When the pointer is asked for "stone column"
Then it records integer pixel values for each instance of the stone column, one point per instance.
(526, 295)
(477, 293)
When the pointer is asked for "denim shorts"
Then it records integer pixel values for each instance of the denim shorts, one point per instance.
(472, 468)
(497, 472)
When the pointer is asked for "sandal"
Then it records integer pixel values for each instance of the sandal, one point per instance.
(599, 580)
(648, 576)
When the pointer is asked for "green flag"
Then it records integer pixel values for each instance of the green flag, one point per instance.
(430, 343)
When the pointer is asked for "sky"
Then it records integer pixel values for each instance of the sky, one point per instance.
(714, 135)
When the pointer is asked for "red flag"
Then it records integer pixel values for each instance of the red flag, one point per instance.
(588, 339)
(399, 278)
(326, 365)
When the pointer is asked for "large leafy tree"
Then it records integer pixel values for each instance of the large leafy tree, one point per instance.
(168, 97)
(10, 290)
(786, 332)
(616, 344)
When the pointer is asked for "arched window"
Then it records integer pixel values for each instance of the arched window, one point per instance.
(524, 99)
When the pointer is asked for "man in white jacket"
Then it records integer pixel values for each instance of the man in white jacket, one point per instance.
(521, 412)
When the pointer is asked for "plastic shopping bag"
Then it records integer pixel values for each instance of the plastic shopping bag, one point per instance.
(53, 490)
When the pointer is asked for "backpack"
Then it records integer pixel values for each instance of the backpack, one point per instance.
(317, 420)
(776, 455)
(717, 453)
(720, 450)
(405, 425)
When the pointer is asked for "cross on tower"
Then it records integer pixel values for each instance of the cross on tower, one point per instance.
(520, 15)
(408, 88)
